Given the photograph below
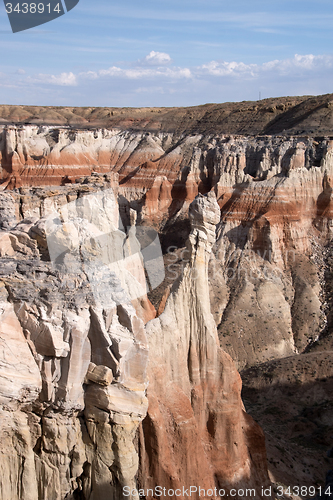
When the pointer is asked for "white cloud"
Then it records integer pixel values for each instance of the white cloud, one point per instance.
(140, 73)
(92, 75)
(224, 68)
(64, 79)
(216, 71)
(299, 64)
(143, 84)
(156, 59)
(291, 67)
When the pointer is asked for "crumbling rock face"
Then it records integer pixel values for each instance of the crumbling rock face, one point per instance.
(196, 432)
(269, 274)
(75, 366)
(8, 211)
(268, 244)
(73, 369)
(274, 193)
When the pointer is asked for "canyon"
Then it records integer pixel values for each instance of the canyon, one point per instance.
(116, 374)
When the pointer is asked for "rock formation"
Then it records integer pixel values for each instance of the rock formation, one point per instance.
(196, 432)
(75, 365)
(269, 267)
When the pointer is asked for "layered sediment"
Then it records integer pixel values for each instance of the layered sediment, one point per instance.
(274, 193)
(241, 195)
(77, 360)
(196, 432)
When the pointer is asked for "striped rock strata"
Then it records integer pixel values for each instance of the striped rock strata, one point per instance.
(76, 361)
(196, 432)
(275, 199)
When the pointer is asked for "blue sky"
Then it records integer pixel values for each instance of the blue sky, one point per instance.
(175, 53)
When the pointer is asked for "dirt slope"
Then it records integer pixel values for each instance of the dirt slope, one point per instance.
(283, 115)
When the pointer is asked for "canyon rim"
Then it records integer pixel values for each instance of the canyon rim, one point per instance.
(109, 385)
